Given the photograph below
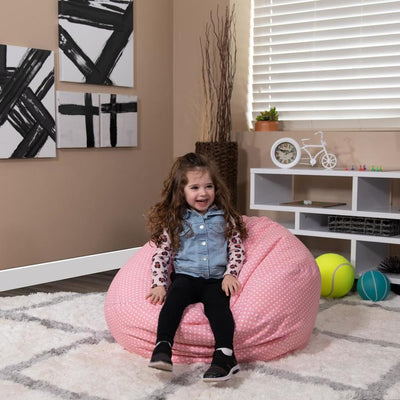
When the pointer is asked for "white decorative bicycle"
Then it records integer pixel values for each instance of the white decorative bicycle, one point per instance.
(286, 153)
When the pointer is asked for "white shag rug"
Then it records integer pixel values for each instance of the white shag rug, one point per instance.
(57, 346)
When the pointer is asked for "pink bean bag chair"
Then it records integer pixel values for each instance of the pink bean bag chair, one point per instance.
(274, 313)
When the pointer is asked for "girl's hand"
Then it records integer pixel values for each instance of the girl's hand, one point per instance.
(157, 295)
(230, 285)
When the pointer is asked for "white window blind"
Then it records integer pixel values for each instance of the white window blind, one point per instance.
(327, 64)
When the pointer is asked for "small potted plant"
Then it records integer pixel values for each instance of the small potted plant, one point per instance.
(267, 120)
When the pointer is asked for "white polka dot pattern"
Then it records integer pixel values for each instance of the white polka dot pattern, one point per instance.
(274, 314)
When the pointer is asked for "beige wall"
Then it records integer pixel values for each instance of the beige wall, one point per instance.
(88, 201)
(190, 18)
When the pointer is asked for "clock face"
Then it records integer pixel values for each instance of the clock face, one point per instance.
(285, 153)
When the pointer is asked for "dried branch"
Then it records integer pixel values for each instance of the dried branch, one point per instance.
(218, 53)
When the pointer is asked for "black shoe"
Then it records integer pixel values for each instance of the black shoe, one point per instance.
(161, 357)
(222, 367)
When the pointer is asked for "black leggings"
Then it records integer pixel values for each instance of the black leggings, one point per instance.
(186, 290)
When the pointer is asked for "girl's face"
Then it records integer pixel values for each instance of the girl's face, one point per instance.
(199, 190)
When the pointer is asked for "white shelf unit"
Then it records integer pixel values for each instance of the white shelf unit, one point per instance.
(366, 194)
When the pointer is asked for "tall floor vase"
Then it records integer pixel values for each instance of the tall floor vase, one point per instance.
(225, 156)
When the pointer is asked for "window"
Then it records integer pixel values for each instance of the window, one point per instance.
(327, 64)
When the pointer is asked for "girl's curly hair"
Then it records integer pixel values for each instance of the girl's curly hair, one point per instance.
(168, 213)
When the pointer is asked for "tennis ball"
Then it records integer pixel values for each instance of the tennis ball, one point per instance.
(373, 285)
(337, 275)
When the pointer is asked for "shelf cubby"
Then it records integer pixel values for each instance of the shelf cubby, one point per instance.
(366, 194)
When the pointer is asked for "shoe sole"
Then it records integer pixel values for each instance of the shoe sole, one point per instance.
(161, 365)
(233, 371)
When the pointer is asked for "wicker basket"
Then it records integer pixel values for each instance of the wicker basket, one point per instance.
(225, 156)
(364, 226)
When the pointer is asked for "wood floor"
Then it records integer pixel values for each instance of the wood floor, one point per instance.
(82, 284)
(87, 284)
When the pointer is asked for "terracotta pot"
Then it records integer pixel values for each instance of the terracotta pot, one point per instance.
(266, 126)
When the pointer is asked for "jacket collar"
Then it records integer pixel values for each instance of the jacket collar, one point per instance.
(213, 210)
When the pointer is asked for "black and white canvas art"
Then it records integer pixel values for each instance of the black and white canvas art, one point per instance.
(96, 41)
(27, 103)
(96, 120)
(77, 120)
(118, 120)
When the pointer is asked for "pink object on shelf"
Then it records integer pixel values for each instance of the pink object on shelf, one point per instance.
(274, 313)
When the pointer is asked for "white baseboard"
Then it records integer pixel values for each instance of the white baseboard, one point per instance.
(36, 274)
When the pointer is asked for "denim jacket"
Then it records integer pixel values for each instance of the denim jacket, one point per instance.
(204, 251)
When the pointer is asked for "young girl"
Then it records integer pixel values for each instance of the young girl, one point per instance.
(196, 228)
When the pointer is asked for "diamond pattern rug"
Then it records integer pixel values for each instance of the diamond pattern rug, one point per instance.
(57, 346)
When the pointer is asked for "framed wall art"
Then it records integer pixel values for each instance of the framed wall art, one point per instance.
(96, 41)
(118, 120)
(96, 120)
(77, 120)
(27, 102)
